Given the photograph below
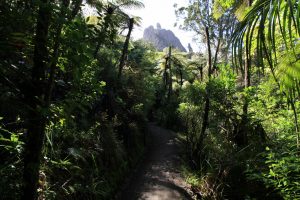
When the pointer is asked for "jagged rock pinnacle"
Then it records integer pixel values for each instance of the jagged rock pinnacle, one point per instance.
(162, 38)
(158, 26)
(190, 48)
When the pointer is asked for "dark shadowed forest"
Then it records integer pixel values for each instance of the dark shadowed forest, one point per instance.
(87, 112)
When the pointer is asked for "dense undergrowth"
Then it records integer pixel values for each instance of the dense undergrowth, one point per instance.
(265, 168)
(88, 150)
(76, 96)
(96, 121)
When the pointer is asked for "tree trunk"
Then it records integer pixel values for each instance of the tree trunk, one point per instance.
(165, 75)
(242, 137)
(181, 77)
(249, 3)
(201, 72)
(291, 99)
(216, 55)
(106, 25)
(55, 54)
(170, 73)
(220, 39)
(125, 48)
(207, 100)
(37, 120)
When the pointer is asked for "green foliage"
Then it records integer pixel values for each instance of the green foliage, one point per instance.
(72, 153)
(11, 146)
(221, 91)
(276, 166)
(266, 113)
(193, 93)
(268, 105)
(95, 124)
(288, 68)
(272, 27)
(282, 171)
(221, 6)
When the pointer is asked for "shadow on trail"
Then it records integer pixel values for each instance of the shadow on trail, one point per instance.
(161, 194)
(158, 176)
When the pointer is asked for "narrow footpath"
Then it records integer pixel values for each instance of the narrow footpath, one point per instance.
(158, 176)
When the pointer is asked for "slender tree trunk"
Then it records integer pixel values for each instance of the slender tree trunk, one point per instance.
(228, 33)
(218, 46)
(96, 49)
(201, 72)
(296, 122)
(247, 70)
(216, 55)
(98, 44)
(247, 60)
(242, 138)
(170, 72)
(165, 76)
(181, 77)
(125, 48)
(207, 100)
(34, 98)
(291, 99)
(53, 64)
(220, 39)
(249, 3)
(55, 54)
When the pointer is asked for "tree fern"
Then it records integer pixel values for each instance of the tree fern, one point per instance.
(130, 4)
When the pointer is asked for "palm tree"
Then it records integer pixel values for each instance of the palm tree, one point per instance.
(126, 21)
(131, 21)
(115, 8)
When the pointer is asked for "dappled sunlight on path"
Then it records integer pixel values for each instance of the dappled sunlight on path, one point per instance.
(158, 177)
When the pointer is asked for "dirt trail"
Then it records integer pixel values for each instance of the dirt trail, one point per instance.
(158, 176)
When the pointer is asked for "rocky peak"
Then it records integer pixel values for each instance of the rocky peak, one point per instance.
(158, 26)
(162, 38)
(190, 48)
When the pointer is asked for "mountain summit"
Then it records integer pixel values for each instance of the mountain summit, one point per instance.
(162, 38)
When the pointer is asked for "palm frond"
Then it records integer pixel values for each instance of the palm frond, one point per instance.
(288, 69)
(137, 20)
(274, 25)
(131, 4)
